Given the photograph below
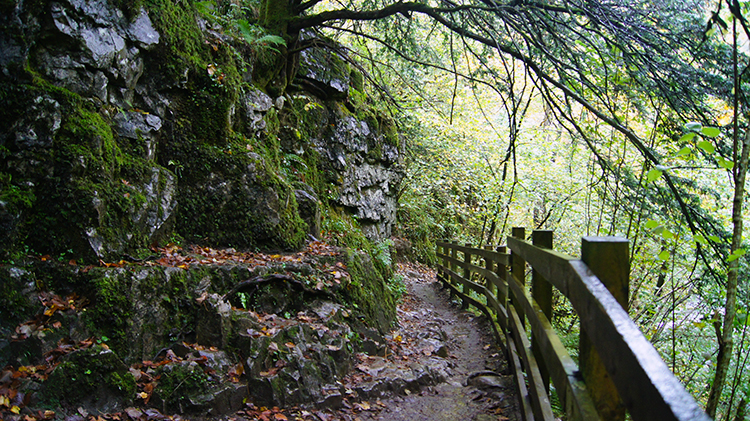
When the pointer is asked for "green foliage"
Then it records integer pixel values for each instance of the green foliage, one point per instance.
(397, 286)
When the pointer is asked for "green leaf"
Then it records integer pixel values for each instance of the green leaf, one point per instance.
(711, 131)
(706, 146)
(664, 255)
(736, 255)
(653, 175)
(693, 126)
(685, 151)
(651, 224)
(714, 238)
(698, 238)
(687, 137)
(667, 234)
(725, 163)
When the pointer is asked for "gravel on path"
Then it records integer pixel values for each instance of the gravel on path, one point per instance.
(476, 384)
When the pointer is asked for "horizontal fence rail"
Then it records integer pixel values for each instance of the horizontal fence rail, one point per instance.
(618, 369)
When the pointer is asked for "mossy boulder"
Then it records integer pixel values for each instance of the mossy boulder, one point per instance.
(95, 379)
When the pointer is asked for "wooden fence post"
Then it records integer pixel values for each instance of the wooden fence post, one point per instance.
(518, 270)
(608, 259)
(541, 290)
(502, 273)
(467, 276)
(489, 264)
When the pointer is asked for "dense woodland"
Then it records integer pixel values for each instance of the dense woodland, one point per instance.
(588, 118)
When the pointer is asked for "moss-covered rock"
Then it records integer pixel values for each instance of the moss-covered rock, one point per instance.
(368, 292)
(17, 297)
(93, 378)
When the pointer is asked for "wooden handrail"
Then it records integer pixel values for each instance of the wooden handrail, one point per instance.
(642, 382)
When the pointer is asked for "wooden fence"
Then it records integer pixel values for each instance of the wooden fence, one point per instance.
(619, 371)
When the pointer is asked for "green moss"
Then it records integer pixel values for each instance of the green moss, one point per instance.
(274, 16)
(111, 307)
(90, 377)
(240, 197)
(368, 292)
(357, 80)
(343, 230)
(15, 306)
(179, 382)
(181, 42)
(15, 198)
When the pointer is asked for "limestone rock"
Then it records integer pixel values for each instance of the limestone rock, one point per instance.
(323, 73)
(309, 211)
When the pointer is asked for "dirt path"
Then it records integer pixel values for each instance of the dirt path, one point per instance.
(474, 383)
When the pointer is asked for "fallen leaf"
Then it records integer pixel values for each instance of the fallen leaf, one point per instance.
(289, 345)
(273, 347)
(202, 298)
(280, 417)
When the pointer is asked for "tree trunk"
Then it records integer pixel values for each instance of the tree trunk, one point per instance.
(275, 75)
(730, 307)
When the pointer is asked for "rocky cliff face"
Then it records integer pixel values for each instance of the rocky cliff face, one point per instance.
(124, 125)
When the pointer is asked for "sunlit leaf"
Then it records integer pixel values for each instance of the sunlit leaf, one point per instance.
(667, 234)
(653, 175)
(706, 146)
(651, 224)
(698, 238)
(664, 255)
(693, 126)
(687, 137)
(685, 151)
(714, 238)
(711, 131)
(725, 163)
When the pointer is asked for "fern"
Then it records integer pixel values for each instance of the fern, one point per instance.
(271, 41)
